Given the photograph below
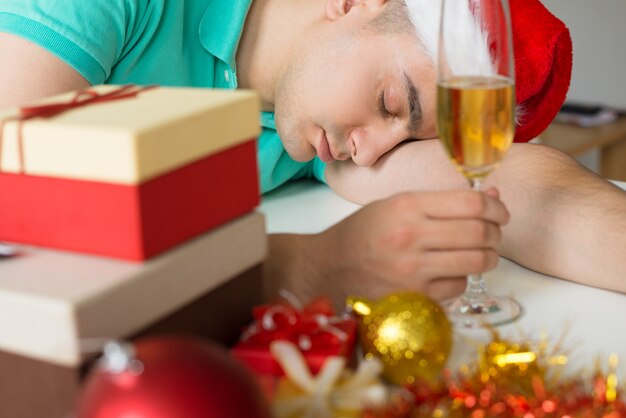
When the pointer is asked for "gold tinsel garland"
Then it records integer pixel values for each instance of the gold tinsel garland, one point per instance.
(511, 380)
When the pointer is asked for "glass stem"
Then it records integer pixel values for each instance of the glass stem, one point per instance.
(475, 288)
(476, 184)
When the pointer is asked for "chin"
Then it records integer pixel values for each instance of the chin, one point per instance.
(298, 148)
(300, 154)
(301, 158)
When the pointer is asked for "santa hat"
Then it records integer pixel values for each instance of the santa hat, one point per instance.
(543, 58)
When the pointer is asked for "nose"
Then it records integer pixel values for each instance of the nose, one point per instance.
(368, 144)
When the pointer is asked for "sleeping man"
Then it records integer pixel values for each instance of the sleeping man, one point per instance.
(348, 93)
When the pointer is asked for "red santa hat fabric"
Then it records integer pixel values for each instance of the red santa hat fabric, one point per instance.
(543, 65)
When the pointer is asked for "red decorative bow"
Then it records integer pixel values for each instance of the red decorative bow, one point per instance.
(314, 329)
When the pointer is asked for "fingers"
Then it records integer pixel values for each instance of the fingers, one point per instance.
(460, 234)
(415, 237)
(432, 264)
(458, 263)
(463, 204)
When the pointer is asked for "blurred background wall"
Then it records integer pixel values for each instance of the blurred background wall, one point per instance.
(598, 29)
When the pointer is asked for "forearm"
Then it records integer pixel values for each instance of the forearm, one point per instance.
(420, 165)
(295, 263)
(311, 265)
(565, 221)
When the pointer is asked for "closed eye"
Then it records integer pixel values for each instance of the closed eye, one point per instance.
(382, 107)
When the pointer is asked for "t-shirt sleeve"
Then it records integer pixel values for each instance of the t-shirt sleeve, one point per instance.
(318, 168)
(89, 35)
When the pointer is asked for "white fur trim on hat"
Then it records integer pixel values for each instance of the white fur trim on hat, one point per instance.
(425, 16)
(463, 36)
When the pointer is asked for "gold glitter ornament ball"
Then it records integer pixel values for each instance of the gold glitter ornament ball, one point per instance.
(408, 332)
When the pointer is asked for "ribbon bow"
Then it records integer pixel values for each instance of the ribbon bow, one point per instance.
(80, 99)
(312, 327)
(334, 388)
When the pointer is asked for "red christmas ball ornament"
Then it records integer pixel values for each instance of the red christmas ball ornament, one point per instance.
(165, 377)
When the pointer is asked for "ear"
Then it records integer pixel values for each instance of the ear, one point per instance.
(339, 8)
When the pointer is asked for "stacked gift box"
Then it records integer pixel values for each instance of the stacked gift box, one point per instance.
(132, 210)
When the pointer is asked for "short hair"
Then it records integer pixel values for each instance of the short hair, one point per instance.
(420, 19)
(394, 18)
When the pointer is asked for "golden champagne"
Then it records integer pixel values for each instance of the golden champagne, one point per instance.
(476, 122)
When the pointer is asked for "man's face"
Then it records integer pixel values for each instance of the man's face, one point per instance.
(353, 92)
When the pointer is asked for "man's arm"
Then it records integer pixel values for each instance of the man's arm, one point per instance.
(29, 72)
(565, 221)
(420, 241)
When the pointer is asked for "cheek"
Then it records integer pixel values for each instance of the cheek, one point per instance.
(332, 87)
(345, 94)
(349, 108)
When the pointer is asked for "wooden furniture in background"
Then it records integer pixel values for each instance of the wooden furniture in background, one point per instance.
(609, 139)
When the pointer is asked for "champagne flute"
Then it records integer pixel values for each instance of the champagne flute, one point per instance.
(476, 121)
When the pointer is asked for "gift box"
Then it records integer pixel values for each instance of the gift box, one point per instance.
(58, 308)
(314, 329)
(125, 172)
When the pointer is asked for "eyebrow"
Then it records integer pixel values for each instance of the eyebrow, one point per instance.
(415, 107)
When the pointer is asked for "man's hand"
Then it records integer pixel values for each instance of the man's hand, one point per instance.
(421, 241)
(566, 221)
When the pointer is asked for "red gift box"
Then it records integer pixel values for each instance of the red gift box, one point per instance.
(129, 178)
(315, 329)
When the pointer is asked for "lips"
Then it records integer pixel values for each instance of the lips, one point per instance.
(323, 149)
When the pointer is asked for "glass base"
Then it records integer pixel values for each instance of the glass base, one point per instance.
(480, 313)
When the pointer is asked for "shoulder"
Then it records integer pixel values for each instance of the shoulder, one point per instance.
(90, 35)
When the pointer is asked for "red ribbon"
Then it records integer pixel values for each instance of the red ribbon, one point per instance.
(314, 328)
(81, 98)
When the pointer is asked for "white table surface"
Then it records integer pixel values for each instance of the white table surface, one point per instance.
(596, 319)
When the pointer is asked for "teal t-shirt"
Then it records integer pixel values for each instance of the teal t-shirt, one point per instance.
(167, 42)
